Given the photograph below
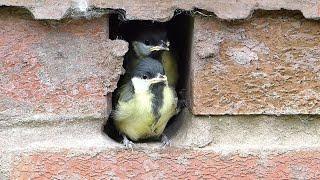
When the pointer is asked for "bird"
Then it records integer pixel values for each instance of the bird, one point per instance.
(145, 104)
(152, 42)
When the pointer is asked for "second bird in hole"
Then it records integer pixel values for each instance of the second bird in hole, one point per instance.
(146, 99)
(153, 42)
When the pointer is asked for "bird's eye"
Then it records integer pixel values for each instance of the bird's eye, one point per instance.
(144, 77)
(147, 42)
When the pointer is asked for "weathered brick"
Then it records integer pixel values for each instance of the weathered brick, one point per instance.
(217, 146)
(56, 68)
(268, 64)
(166, 164)
(162, 10)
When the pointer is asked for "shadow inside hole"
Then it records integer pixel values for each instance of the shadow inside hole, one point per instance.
(179, 30)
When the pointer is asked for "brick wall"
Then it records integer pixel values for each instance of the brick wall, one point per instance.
(254, 92)
(268, 64)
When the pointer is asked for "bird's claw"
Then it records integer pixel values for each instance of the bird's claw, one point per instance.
(165, 141)
(127, 143)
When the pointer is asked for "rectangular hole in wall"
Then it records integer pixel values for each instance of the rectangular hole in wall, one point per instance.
(179, 32)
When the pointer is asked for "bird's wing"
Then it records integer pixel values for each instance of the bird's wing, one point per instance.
(126, 92)
(169, 61)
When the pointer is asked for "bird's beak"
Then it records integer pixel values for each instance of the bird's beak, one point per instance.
(164, 46)
(159, 78)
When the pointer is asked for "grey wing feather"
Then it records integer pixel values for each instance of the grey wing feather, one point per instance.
(126, 92)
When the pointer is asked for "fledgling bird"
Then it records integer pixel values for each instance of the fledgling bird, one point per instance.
(145, 104)
(154, 43)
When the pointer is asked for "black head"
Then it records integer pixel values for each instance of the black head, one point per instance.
(152, 37)
(150, 41)
(148, 68)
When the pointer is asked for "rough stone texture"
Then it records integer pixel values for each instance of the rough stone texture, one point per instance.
(269, 64)
(54, 136)
(245, 133)
(218, 133)
(60, 71)
(60, 136)
(218, 139)
(56, 70)
(164, 164)
(162, 10)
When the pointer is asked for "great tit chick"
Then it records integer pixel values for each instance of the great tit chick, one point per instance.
(149, 44)
(145, 104)
(154, 43)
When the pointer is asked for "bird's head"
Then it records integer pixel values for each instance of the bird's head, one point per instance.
(147, 73)
(149, 42)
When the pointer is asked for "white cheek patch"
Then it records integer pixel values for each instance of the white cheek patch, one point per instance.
(140, 85)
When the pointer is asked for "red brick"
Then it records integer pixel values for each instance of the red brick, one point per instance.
(164, 9)
(268, 64)
(167, 164)
(62, 68)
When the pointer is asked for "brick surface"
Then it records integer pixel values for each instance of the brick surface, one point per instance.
(166, 164)
(65, 69)
(269, 64)
(62, 68)
(161, 10)
(216, 146)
